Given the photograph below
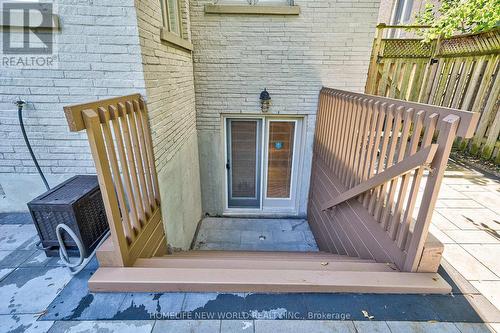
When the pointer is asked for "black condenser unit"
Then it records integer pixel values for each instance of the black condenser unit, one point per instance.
(77, 202)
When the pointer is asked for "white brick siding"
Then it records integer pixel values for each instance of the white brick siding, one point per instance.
(236, 56)
(99, 56)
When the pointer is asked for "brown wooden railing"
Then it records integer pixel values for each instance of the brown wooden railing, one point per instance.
(120, 140)
(377, 168)
(460, 72)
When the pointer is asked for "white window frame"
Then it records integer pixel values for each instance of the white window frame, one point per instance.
(256, 2)
(166, 20)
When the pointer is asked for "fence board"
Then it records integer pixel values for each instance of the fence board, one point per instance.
(457, 72)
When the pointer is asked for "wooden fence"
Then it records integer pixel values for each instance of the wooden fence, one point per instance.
(459, 72)
(370, 158)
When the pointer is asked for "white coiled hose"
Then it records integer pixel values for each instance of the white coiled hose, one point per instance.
(79, 265)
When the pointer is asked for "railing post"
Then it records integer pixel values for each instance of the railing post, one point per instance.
(373, 68)
(97, 147)
(447, 133)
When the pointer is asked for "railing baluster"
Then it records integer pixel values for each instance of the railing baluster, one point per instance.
(430, 128)
(115, 120)
(144, 156)
(340, 136)
(97, 147)
(351, 143)
(371, 124)
(415, 138)
(149, 144)
(336, 129)
(138, 157)
(104, 118)
(360, 142)
(382, 113)
(403, 141)
(348, 110)
(381, 156)
(320, 125)
(131, 162)
(336, 132)
(447, 133)
(394, 133)
(330, 129)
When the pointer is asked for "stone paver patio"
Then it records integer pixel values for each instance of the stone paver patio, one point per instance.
(37, 295)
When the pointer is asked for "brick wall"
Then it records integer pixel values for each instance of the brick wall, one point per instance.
(236, 56)
(168, 74)
(99, 56)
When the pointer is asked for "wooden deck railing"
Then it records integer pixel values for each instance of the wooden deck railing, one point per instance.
(120, 141)
(378, 165)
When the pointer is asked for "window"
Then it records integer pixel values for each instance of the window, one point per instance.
(172, 31)
(253, 7)
(402, 12)
(256, 2)
(172, 16)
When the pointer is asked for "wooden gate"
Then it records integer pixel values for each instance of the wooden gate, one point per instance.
(377, 168)
(120, 140)
(460, 72)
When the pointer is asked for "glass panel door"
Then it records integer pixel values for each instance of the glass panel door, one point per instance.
(280, 158)
(243, 164)
(281, 164)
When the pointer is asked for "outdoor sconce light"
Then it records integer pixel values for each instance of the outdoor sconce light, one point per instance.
(265, 100)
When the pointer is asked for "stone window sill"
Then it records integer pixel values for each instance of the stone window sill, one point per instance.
(252, 10)
(171, 38)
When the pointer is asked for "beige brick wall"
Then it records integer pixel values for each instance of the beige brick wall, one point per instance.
(236, 56)
(168, 75)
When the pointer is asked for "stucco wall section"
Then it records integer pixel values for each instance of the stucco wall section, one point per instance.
(236, 56)
(168, 74)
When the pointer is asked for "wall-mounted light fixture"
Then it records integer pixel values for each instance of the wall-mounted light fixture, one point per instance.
(265, 100)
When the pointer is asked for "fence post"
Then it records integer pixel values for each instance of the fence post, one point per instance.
(373, 68)
(430, 72)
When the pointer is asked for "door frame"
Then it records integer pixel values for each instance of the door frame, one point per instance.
(299, 142)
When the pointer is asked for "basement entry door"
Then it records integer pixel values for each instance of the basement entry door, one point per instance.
(262, 163)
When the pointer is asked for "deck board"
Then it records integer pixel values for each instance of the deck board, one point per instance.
(136, 279)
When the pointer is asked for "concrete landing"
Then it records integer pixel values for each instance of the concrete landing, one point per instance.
(242, 234)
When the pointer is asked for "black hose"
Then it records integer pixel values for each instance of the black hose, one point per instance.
(20, 104)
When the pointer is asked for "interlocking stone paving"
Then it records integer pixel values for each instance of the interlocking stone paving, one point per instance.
(36, 295)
